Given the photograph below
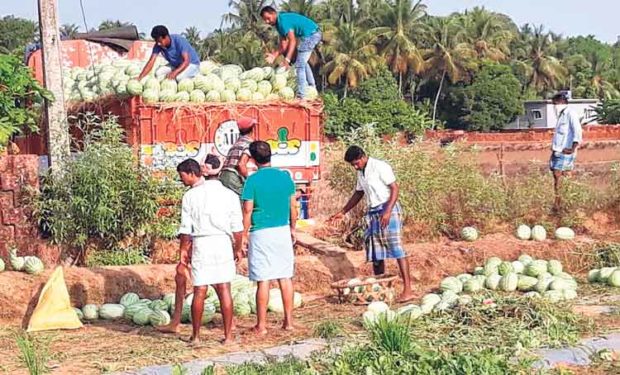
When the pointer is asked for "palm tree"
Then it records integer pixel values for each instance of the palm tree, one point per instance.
(305, 7)
(111, 24)
(192, 34)
(446, 55)
(545, 71)
(489, 33)
(352, 56)
(602, 86)
(401, 19)
(245, 18)
(69, 30)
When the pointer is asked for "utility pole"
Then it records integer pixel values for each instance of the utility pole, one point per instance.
(57, 128)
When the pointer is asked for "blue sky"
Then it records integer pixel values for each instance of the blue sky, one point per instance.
(568, 17)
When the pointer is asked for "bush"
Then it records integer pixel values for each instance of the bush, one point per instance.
(608, 112)
(102, 195)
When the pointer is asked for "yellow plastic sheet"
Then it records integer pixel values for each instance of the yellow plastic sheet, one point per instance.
(54, 309)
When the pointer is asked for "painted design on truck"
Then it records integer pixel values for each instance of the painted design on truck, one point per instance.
(283, 145)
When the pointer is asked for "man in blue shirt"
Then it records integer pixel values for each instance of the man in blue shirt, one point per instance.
(181, 56)
(296, 31)
(566, 137)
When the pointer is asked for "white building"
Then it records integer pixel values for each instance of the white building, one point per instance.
(540, 114)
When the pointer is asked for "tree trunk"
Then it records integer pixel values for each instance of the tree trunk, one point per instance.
(443, 77)
(346, 88)
(400, 83)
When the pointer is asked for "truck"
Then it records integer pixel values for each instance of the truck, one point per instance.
(164, 135)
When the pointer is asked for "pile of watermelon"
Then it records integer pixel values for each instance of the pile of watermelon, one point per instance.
(143, 311)
(29, 264)
(606, 275)
(539, 233)
(214, 83)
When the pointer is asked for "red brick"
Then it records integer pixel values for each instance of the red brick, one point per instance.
(6, 164)
(6, 200)
(7, 233)
(9, 182)
(25, 231)
(13, 216)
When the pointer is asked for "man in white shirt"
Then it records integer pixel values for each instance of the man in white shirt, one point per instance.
(376, 181)
(211, 222)
(566, 138)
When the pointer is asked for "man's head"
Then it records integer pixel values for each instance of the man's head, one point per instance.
(189, 172)
(560, 98)
(269, 15)
(356, 157)
(161, 36)
(245, 125)
(261, 152)
(211, 167)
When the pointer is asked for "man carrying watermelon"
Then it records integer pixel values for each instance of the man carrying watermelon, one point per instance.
(297, 33)
(376, 181)
(211, 224)
(181, 56)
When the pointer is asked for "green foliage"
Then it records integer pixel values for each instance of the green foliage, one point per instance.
(328, 330)
(608, 112)
(102, 194)
(391, 335)
(33, 353)
(117, 257)
(19, 95)
(288, 366)
(490, 102)
(380, 87)
(15, 34)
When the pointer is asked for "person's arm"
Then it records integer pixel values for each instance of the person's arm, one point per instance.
(248, 207)
(389, 206)
(353, 201)
(149, 66)
(173, 74)
(242, 167)
(184, 248)
(236, 226)
(185, 232)
(290, 48)
(575, 125)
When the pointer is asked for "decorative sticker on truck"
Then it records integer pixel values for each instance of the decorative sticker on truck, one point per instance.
(283, 145)
(225, 136)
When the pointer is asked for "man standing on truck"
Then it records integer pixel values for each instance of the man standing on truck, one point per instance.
(181, 56)
(269, 218)
(296, 32)
(211, 225)
(376, 181)
(235, 169)
(566, 137)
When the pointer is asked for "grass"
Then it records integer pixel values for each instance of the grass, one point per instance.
(328, 330)
(118, 257)
(33, 354)
(289, 366)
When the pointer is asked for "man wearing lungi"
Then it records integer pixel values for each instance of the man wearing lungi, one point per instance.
(235, 169)
(211, 222)
(566, 138)
(376, 181)
(269, 218)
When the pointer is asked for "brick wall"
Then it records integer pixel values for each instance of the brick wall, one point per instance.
(17, 173)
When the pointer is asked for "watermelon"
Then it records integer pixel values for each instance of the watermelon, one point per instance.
(79, 313)
(228, 96)
(2, 266)
(33, 265)
(142, 316)
(110, 311)
(311, 93)
(532, 295)
(244, 95)
(159, 318)
(469, 234)
(378, 307)
(17, 263)
(158, 304)
(167, 96)
(536, 268)
(492, 282)
(132, 309)
(464, 277)
(90, 311)
(505, 268)
(539, 233)
(509, 282)
(569, 294)
(129, 299)
(553, 296)
(369, 318)
(186, 85)
(525, 259)
(543, 284)
(410, 311)
(518, 267)
(526, 283)
(524, 232)
(451, 284)
(181, 97)
(213, 96)
(197, 96)
(562, 284)
(151, 83)
(472, 286)
(593, 275)
(169, 298)
(614, 279)
(264, 87)
(605, 273)
(287, 93)
(479, 271)
(169, 85)
(554, 267)
(465, 300)
(207, 67)
(564, 234)
(150, 96)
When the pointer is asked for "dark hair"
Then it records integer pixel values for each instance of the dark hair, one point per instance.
(560, 97)
(267, 9)
(159, 31)
(261, 152)
(189, 166)
(213, 160)
(353, 153)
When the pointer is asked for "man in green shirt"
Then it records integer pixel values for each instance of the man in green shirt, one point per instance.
(296, 31)
(269, 217)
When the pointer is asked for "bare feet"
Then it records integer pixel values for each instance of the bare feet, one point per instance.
(260, 331)
(168, 328)
(193, 342)
(288, 327)
(227, 341)
(405, 297)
